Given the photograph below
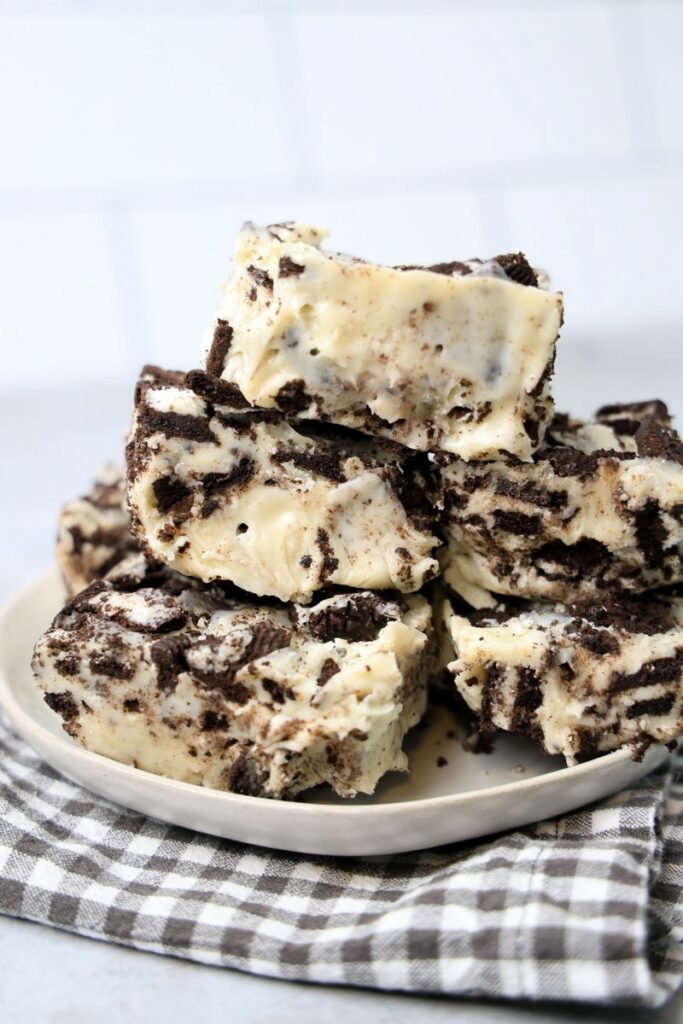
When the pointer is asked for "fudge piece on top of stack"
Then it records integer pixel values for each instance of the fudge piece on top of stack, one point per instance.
(454, 357)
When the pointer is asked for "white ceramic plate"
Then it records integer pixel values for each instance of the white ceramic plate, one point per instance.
(471, 795)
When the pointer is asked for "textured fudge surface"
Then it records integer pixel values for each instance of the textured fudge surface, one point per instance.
(578, 679)
(208, 686)
(93, 532)
(218, 491)
(456, 356)
(600, 509)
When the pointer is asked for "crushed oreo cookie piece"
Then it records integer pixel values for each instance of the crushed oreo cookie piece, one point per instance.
(262, 277)
(63, 703)
(516, 522)
(292, 397)
(656, 441)
(329, 564)
(220, 346)
(170, 491)
(321, 461)
(574, 561)
(215, 390)
(517, 268)
(246, 776)
(567, 461)
(216, 486)
(329, 668)
(175, 424)
(168, 655)
(625, 417)
(354, 617)
(288, 268)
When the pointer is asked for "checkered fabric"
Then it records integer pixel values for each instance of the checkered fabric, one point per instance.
(584, 908)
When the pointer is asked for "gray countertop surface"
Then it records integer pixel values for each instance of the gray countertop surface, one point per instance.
(51, 443)
(50, 977)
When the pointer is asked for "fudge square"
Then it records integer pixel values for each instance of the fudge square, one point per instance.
(600, 509)
(578, 679)
(206, 685)
(218, 490)
(457, 356)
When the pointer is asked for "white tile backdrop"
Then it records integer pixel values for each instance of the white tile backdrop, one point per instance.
(136, 135)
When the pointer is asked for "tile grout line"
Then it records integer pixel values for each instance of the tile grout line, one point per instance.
(136, 341)
(494, 215)
(346, 186)
(635, 82)
(280, 24)
(213, 8)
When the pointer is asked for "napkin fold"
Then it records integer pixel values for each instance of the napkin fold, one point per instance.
(585, 908)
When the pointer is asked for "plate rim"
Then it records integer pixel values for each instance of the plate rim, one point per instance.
(26, 725)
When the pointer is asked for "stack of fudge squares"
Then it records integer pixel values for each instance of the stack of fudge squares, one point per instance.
(364, 489)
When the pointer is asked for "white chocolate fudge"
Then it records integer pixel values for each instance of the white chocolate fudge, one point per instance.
(93, 532)
(600, 509)
(456, 356)
(218, 490)
(208, 686)
(577, 679)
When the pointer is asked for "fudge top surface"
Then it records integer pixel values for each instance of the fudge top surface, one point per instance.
(506, 266)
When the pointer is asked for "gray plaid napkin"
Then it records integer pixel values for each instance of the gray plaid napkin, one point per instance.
(584, 908)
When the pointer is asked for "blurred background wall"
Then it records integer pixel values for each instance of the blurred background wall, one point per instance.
(138, 134)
